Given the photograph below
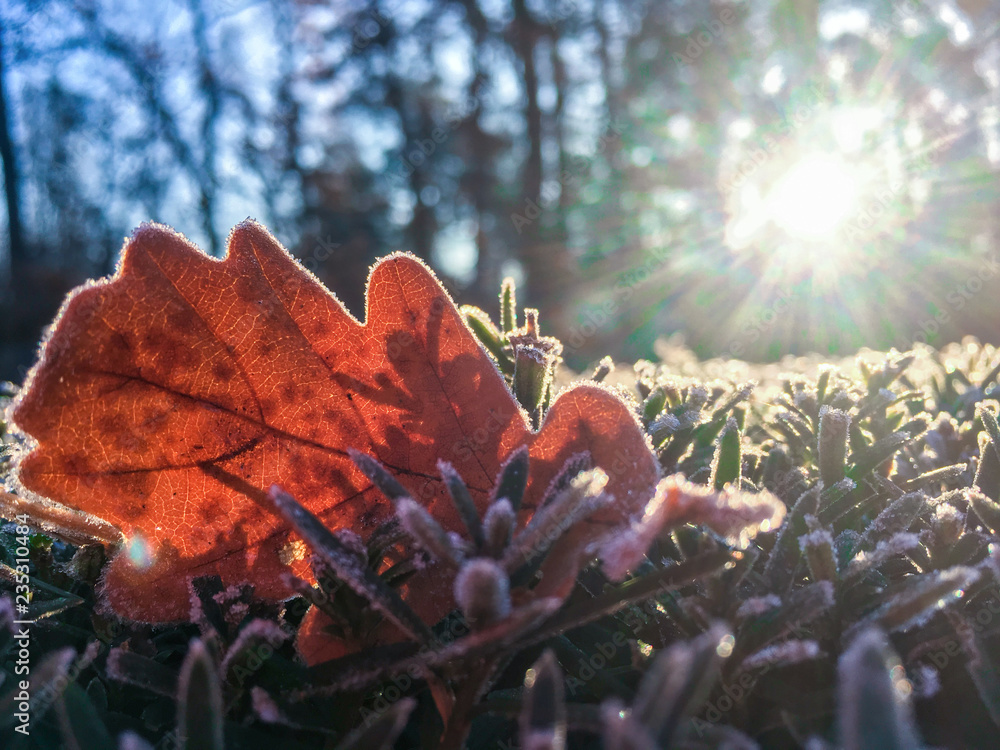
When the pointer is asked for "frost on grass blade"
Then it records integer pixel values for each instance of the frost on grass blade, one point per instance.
(873, 706)
(463, 501)
(678, 682)
(898, 517)
(199, 701)
(543, 709)
(583, 496)
(135, 669)
(513, 478)
(348, 568)
(800, 608)
(256, 637)
(783, 654)
(918, 598)
(986, 509)
(786, 552)
(863, 562)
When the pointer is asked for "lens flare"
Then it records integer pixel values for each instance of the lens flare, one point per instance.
(139, 553)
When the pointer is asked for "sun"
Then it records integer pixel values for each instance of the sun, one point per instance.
(814, 198)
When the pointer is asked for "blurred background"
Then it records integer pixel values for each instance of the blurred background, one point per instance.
(762, 177)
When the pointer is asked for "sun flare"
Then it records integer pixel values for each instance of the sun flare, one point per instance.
(815, 197)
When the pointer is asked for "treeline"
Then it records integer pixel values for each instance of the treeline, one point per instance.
(583, 146)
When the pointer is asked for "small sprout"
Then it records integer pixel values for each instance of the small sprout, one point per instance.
(488, 335)
(819, 551)
(532, 374)
(728, 461)
(378, 475)
(604, 368)
(427, 532)
(498, 526)
(531, 322)
(482, 591)
(513, 478)
(508, 305)
(358, 576)
(655, 402)
(463, 501)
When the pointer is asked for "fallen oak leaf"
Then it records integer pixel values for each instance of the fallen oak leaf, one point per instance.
(164, 391)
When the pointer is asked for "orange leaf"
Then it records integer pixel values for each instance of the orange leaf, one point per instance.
(166, 389)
